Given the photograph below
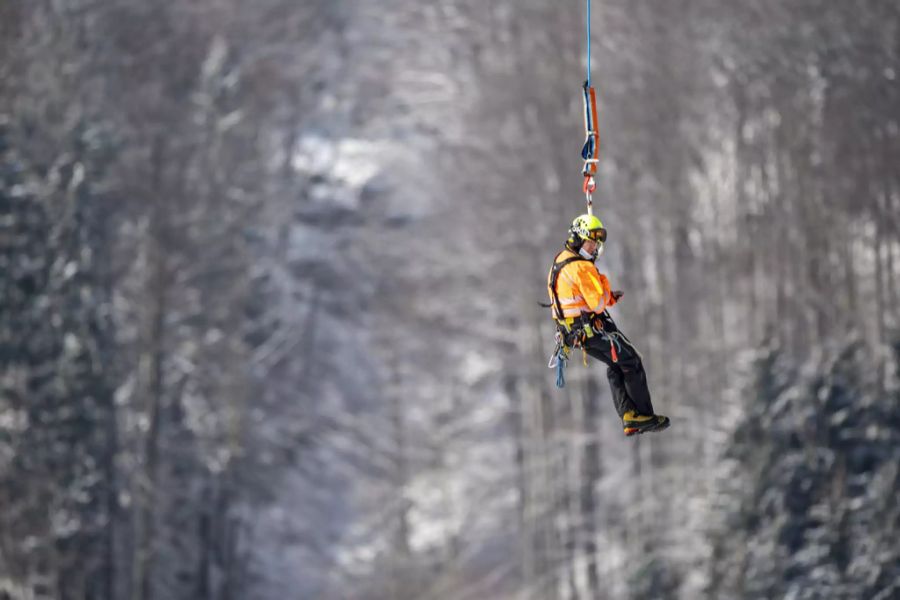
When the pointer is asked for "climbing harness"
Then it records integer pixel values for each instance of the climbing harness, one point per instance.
(591, 148)
(574, 333)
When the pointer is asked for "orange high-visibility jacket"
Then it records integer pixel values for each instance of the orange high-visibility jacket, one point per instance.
(581, 288)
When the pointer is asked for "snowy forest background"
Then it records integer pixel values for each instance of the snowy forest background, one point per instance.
(268, 308)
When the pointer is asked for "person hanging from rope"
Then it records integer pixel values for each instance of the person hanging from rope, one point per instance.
(580, 296)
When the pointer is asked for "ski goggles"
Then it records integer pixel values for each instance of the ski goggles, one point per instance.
(598, 235)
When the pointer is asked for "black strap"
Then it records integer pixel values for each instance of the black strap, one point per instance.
(554, 276)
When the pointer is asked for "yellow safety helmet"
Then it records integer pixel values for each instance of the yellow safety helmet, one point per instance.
(587, 227)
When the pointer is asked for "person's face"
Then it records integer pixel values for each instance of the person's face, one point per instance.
(589, 246)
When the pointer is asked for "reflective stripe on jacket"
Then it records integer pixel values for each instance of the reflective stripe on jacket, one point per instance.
(581, 288)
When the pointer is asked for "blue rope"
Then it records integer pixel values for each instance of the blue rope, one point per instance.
(588, 42)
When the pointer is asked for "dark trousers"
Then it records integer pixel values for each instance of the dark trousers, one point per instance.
(625, 371)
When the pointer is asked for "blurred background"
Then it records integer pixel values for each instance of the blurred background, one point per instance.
(269, 322)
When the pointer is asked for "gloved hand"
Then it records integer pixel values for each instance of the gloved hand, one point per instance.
(616, 294)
